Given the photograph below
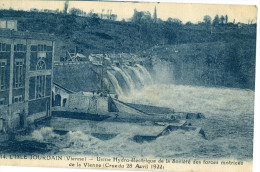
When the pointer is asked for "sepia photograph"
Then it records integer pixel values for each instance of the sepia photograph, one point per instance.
(152, 86)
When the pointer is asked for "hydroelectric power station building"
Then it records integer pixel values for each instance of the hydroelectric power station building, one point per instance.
(25, 76)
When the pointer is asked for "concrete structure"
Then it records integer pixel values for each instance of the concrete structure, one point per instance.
(60, 95)
(94, 104)
(72, 78)
(78, 86)
(116, 59)
(25, 77)
(88, 102)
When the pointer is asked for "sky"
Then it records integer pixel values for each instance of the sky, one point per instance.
(124, 10)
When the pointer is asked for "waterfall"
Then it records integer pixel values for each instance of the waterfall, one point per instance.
(146, 74)
(132, 85)
(138, 74)
(134, 78)
(115, 83)
(126, 77)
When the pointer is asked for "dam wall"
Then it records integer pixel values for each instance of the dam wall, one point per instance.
(114, 76)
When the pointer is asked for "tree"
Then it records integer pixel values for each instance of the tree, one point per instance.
(76, 12)
(169, 34)
(207, 19)
(102, 13)
(137, 16)
(34, 10)
(174, 21)
(226, 19)
(66, 25)
(66, 6)
(146, 18)
(93, 21)
(113, 17)
(216, 20)
(171, 29)
(222, 19)
(141, 17)
(188, 23)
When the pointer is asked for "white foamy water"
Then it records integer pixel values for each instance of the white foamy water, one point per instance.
(139, 75)
(147, 76)
(228, 127)
(126, 77)
(123, 146)
(44, 134)
(196, 99)
(115, 83)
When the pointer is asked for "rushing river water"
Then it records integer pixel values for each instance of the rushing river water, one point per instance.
(228, 127)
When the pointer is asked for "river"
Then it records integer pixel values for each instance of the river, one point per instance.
(228, 127)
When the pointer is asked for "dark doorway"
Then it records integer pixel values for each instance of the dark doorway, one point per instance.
(64, 102)
(57, 100)
(22, 118)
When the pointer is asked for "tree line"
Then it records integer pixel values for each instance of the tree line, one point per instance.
(217, 20)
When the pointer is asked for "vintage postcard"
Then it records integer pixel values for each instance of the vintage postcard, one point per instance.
(127, 86)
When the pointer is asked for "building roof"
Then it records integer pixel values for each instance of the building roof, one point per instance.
(76, 77)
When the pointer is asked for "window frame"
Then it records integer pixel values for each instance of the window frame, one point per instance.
(19, 73)
(20, 48)
(42, 47)
(3, 71)
(40, 86)
(4, 47)
(19, 99)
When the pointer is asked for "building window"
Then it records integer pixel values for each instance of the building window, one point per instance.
(42, 47)
(18, 99)
(2, 101)
(2, 74)
(40, 86)
(5, 47)
(20, 47)
(18, 73)
(33, 47)
(41, 65)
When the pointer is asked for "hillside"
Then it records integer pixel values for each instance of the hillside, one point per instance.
(200, 54)
(94, 35)
(227, 64)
